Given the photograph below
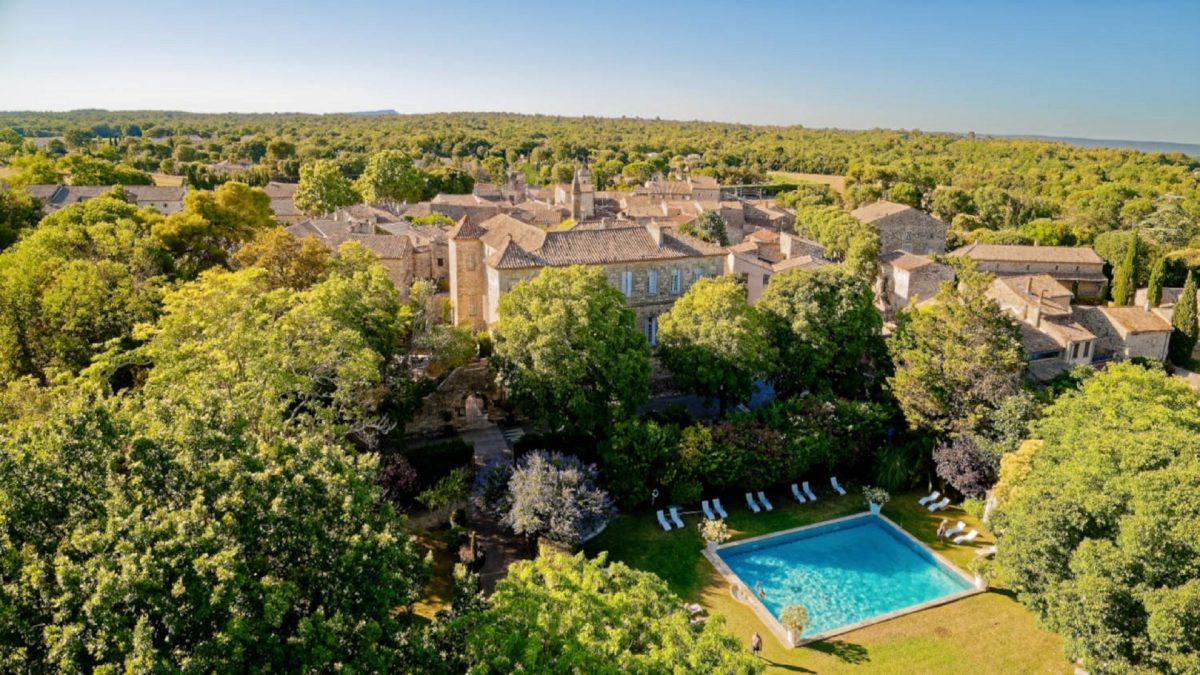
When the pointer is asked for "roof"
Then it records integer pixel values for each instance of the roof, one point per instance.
(1135, 320)
(800, 262)
(466, 229)
(526, 236)
(588, 246)
(280, 190)
(764, 235)
(880, 209)
(1072, 255)
(459, 200)
(383, 245)
(903, 260)
(1031, 286)
(156, 193)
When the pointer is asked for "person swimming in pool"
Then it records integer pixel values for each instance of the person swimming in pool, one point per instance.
(758, 590)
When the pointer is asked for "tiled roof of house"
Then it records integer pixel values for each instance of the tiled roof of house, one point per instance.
(386, 246)
(466, 229)
(800, 262)
(880, 209)
(157, 193)
(1135, 319)
(589, 246)
(1072, 255)
(280, 190)
(903, 260)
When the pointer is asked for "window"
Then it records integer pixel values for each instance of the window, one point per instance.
(627, 283)
(1075, 351)
(766, 279)
(652, 330)
(473, 306)
(698, 274)
(676, 275)
(439, 262)
(1087, 347)
(652, 282)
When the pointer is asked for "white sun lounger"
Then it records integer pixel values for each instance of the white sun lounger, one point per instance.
(938, 506)
(808, 491)
(986, 551)
(763, 498)
(692, 608)
(675, 516)
(796, 493)
(955, 530)
(707, 510)
(662, 520)
(966, 538)
(837, 488)
(930, 498)
(751, 503)
(719, 509)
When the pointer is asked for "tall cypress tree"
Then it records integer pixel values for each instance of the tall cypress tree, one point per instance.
(1154, 289)
(1183, 339)
(1125, 276)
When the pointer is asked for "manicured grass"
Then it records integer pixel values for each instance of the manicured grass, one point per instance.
(441, 580)
(985, 633)
(166, 179)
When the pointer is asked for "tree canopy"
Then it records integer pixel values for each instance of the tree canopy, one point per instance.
(568, 351)
(1101, 538)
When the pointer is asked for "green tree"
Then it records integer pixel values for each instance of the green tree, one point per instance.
(948, 202)
(37, 169)
(713, 342)
(391, 176)
(1183, 320)
(560, 614)
(955, 360)
(212, 224)
(710, 227)
(290, 263)
(568, 351)
(323, 188)
(905, 193)
(826, 330)
(18, 212)
(1157, 278)
(87, 170)
(1126, 274)
(1100, 538)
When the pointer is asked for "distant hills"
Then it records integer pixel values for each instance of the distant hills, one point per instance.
(1145, 146)
(372, 113)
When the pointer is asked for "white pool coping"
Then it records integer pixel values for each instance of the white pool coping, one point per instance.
(782, 634)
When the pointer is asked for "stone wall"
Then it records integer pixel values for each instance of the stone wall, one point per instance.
(446, 408)
(913, 231)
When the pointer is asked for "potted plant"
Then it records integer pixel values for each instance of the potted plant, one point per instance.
(876, 497)
(795, 619)
(714, 532)
(984, 570)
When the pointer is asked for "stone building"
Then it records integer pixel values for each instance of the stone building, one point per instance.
(1051, 334)
(1128, 332)
(1078, 268)
(765, 253)
(165, 199)
(904, 277)
(283, 202)
(903, 228)
(652, 265)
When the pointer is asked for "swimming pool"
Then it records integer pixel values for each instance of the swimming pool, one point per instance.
(846, 572)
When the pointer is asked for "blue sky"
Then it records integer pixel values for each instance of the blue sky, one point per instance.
(1128, 70)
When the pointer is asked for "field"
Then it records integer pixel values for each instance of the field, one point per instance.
(989, 632)
(838, 183)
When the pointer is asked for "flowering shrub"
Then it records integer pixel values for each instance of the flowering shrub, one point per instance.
(794, 618)
(876, 495)
(555, 496)
(714, 531)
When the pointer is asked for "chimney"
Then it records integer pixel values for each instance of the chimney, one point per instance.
(656, 233)
(1037, 313)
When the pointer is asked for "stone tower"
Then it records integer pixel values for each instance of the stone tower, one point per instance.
(583, 196)
(468, 277)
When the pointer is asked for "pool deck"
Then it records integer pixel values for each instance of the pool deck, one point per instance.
(742, 593)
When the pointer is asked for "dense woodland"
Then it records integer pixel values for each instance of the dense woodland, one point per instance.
(202, 461)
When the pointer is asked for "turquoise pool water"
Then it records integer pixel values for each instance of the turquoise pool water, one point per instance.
(843, 572)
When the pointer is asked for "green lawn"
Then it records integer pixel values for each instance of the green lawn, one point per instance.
(986, 633)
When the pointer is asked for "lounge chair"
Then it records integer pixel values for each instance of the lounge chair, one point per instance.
(808, 491)
(986, 551)
(938, 506)
(675, 516)
(753, 504)
(763, 498)
(966, 538)
(692, 608)
(707, 511)
(837, 488)
(662, 520)
(719, 509)
(933, 497)
(796, 493)
(955, 530)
